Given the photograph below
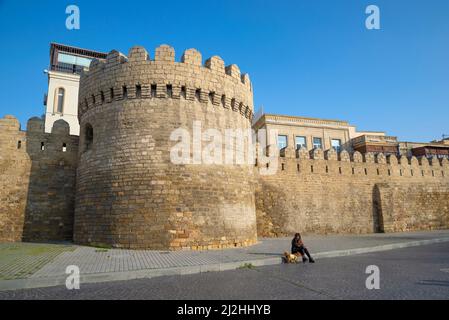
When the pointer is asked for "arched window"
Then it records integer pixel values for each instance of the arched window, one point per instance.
(88, 136)
(59, 100)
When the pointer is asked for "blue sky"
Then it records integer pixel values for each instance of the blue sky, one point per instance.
(308, 58)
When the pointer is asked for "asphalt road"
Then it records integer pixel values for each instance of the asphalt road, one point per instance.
(412, 273)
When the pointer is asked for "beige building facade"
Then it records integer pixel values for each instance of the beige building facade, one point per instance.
(308, 133)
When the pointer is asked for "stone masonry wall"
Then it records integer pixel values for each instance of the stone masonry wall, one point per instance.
(408, 207)
(129, 193)
(36, 186)
(330, 193)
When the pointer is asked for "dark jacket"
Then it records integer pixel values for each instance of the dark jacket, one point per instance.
(297, 245)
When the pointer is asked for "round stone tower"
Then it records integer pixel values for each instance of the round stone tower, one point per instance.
(134, 112)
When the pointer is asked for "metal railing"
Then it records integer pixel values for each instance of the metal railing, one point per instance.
(67, 68)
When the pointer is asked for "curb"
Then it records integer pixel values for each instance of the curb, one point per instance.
(152, 273)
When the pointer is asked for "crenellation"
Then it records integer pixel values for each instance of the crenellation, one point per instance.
(113, 59)
(192, 56)
(246, 80)
(344, 156)
(233, 71)
(35, 124)
(369, 157)
(356, 157)
(138, 54)
(392, 160)
(120, 72)
(317, 154)
(302, 153)
(9, 122)
(165, 53)
(381, 158)
(215, 64)
(331, 154)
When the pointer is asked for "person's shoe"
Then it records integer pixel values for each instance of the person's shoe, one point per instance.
(311, 260)
(304, 259)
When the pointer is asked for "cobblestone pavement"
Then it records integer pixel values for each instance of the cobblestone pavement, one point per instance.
(21, 260)
(411, 273)
(98, 261)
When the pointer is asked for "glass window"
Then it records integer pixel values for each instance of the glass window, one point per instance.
(336, 144)
(300, 142)
(317, 143)
(282, 142)
(59, 100)
(76, 60)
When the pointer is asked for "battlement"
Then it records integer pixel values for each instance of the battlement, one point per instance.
(137, 76)
(37, 179)
(356, 163)
(34, 141)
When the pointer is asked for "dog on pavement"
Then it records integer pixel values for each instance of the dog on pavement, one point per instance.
(290, 258)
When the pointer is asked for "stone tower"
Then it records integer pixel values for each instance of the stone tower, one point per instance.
(129, 192)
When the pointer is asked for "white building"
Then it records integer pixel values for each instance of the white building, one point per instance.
(61, 100)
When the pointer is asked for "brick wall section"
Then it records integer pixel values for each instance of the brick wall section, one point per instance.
(333, 199)
(129, 194)
(408, 207)
(14, 177)
(36, 186)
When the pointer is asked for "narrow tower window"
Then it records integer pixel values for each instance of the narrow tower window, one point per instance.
(183, 92)
(88, 136)
(198, 94)
(169, 91)
(153, 90)
(64, 147)
(211, 97)
(59, 100)
(138, 91)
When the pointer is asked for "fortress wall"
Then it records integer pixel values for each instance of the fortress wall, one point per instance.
(15, 165)
(36, 186)
(335, 199)
(129, 193)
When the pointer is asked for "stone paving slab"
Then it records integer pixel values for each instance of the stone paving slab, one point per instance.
(97, 265)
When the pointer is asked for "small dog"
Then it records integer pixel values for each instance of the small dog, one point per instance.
(290, 258)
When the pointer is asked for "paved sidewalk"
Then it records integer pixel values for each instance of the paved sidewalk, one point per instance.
(97, 265)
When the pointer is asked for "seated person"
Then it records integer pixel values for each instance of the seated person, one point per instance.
(298, 248)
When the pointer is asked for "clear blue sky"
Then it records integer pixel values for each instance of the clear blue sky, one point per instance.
(308, 58)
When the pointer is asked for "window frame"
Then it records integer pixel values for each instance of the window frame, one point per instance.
(305, 142)
(321, 143)
(339, 144)
(286, 141)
